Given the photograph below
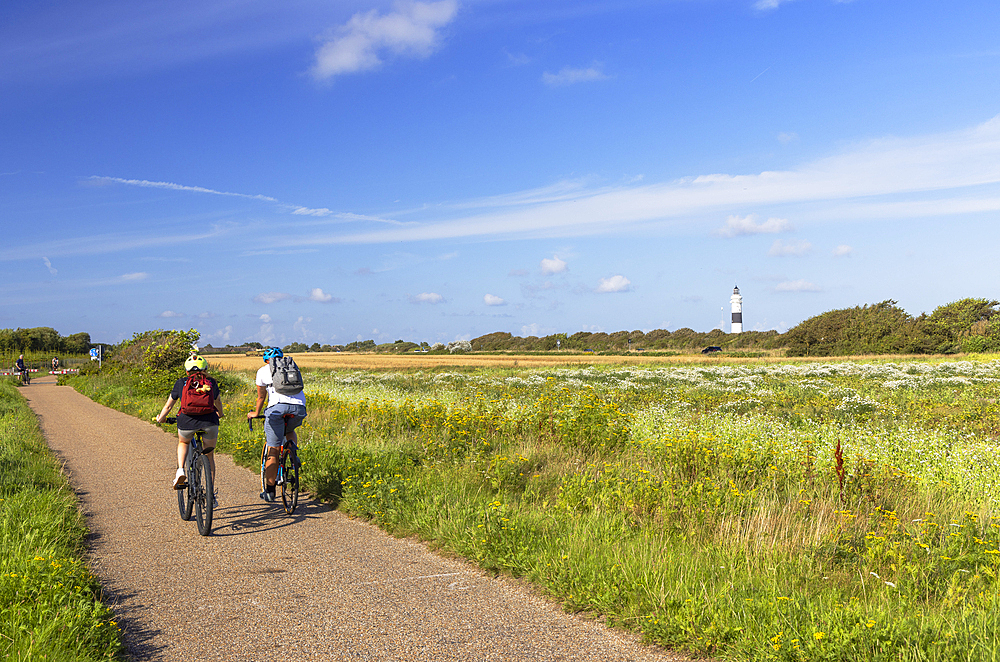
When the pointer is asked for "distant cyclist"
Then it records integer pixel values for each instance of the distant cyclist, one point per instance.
(20, 368)
(284, 413)
(55, 363)
(200, 409)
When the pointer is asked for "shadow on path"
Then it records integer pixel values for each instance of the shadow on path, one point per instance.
(241, 519)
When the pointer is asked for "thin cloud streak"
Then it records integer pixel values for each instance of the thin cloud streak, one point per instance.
(927, 164)
(144, 183)
(101, 244)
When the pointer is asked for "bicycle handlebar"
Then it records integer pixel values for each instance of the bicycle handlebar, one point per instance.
(250, 420)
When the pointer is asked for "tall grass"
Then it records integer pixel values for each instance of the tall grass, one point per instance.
(835, 511)
(49, 601)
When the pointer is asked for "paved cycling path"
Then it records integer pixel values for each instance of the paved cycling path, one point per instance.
(267, 587)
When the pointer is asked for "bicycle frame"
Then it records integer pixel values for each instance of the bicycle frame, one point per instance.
(199, 494)
(288, 469)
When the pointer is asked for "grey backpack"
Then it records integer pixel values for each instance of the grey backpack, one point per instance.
(286, 375)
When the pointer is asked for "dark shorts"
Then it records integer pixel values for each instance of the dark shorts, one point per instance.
(276, 426)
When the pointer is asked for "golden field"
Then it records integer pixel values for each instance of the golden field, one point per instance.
(355, 361)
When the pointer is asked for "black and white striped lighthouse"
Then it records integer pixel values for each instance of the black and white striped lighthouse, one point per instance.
(737, 302)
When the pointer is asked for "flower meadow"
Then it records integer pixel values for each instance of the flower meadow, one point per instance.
(767, 511)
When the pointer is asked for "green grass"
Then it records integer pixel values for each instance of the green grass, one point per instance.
(833, 511)
(50, 604)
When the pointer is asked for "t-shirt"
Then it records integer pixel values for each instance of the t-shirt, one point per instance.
(264, 378)
(194, 421)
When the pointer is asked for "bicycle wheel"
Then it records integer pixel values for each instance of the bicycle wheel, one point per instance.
(185, 496)
(289, 469)
(185, 502)
(263, 461)
(203, 496)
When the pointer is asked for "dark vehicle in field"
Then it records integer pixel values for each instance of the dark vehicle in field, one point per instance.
(711, 350)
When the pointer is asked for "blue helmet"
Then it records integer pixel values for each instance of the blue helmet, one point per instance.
(272, 352)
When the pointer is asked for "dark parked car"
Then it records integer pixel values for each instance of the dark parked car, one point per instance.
(711, 350)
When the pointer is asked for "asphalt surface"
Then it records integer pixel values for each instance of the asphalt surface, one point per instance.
(266, 586)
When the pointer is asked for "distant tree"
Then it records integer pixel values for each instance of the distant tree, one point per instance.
(880, 328)
(78, 343)
(947, 325)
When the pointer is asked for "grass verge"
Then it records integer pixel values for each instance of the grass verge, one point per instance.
(50, 606)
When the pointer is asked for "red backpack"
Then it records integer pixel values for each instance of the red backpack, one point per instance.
(196, 395)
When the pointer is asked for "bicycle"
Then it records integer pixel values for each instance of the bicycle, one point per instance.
(25, 376)
(199, 493)
(288, 469)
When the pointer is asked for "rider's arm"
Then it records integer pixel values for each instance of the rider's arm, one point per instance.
(166, 410)
(218, 406)
(261, 401)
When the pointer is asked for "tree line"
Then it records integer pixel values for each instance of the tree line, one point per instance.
(42, 339)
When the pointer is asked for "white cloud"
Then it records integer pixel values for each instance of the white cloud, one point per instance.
(265, 318)
(569, 76)
(796, 286)
(614, 284)
(743, 225)
(135, 276)
(222, 335)
(317, 294)
(169, 314)
(48, 265)
(517, 59)
(843, 251)
(271, 297)
(493, 300)
(427, 297)
(300, 326)
(305, 211)
(534, 329)
(766, 5)
(411, 30)
(781, 249)
(785, 138)
(553, 266)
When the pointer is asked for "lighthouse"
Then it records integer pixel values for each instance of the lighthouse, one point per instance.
(737, 302)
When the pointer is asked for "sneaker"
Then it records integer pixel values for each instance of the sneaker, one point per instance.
(267, 495)
(215, 500)
(180, 480)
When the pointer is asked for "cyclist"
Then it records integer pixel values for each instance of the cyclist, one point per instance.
(20, 368)
(201, 408)
(55, 363)
(284, 413)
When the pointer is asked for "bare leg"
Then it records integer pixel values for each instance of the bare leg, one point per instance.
(182, 451)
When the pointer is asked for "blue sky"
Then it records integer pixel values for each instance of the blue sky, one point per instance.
(429, 171)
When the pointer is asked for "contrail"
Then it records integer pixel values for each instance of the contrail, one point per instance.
(759, 75)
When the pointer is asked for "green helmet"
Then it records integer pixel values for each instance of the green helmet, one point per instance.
(195, 362)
